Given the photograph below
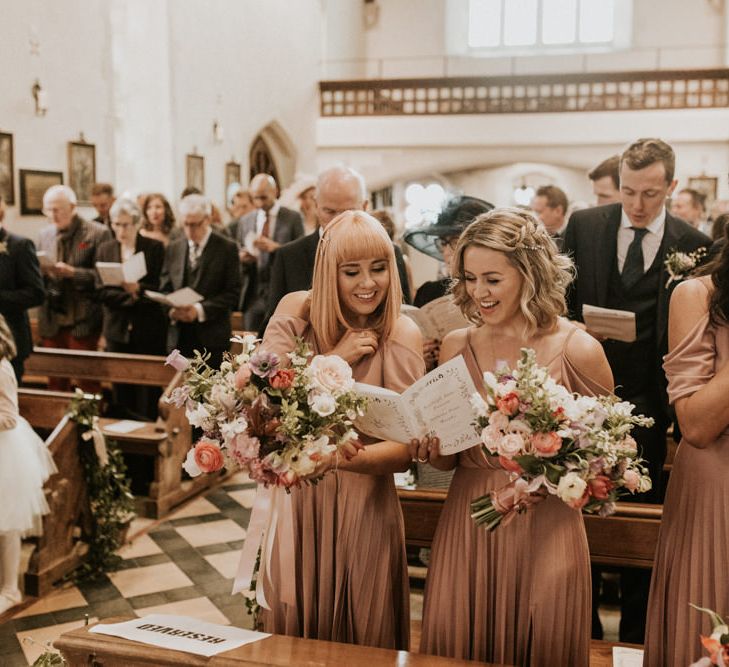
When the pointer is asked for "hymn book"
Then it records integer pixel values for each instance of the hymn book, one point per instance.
(610, 323)
(44, 260)
(436, 318)
(178, 299)
(439, 403)
(114, 274)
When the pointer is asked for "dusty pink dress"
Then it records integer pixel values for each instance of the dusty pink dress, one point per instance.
(520, 595)
(352, 579)
(692, 557)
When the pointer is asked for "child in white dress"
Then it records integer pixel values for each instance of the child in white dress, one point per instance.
(25, 464)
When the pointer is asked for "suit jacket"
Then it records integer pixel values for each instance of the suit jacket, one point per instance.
(289, 227)
(72, 301)
(123, 314)
(21, 287)
(591, 239)
(218, 281)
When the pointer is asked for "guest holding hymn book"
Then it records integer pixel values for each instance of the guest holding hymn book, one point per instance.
(133, 324)
(693, 544)
(351, 570)
(519, 595)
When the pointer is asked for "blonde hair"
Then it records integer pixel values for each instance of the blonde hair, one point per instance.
(350, 237)
(529, 248)
(7, 341)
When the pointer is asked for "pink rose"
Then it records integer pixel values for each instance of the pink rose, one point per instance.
(546, 444)
(579, 503)
(242, 376)
(244, 447)
(510, 445)
(498, 420)
(631, 479)
(600, 487)
(510, 465)
(208, 455)
(177, 361)
(283, 379)
(508, 404)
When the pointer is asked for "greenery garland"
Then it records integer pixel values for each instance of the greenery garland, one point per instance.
(110, 498)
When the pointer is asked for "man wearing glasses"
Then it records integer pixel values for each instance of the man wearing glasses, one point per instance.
(71, 316)
(208, 263)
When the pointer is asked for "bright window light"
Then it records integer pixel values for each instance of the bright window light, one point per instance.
(520, 22)
(597, 20)
(559, 25)
(424, 203)
(484, 23)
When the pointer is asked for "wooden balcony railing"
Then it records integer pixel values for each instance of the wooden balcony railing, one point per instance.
(599, 91)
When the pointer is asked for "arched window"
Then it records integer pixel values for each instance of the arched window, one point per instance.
(261, 161)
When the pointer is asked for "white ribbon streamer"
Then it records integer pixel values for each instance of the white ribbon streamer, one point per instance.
(271, 521)
(95, 434)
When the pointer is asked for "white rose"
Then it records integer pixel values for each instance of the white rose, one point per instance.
(330, 374)
(510, 445)
(322, 404)
(571, 487)
(197, 415)
(223, 396)
(190, 466)
(518, 426)
(230, 429)
(498, 420)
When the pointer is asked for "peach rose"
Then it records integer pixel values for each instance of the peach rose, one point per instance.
(631, 479)
(510, 465)
(283, 379)
(546, 444)
(508, 404)
(579, 503)
(242, 376)
(600, 487)
(208, 455)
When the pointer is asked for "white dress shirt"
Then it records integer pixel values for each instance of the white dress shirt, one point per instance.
(191, 249)
(651, 241)
(261, 220)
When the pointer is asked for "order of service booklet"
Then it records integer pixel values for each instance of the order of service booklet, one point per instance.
(178, 299)
(436, 318)
(439, 403)
(115, 274)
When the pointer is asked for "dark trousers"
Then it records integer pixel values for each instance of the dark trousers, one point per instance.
(18, 365)
(64, 340)
(634, 582)
(132, 401)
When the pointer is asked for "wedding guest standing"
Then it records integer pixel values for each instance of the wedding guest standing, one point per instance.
(159, 221)
(519, 595)
(620, 251)
(133, 324)
(21, 288)
(693, 545)
(351, 570)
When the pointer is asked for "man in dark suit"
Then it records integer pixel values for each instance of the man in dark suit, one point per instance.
(550, 205)
(619, 251)
(259, 235)
(208, 263)
(338, 189)
(102, 199)
(21, 288)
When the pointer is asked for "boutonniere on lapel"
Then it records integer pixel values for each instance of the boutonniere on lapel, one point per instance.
(3, 247)
(680, 264)
(83, 245)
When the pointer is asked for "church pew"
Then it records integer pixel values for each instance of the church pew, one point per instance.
(167, 442)
(626, 539)
(80, 648)
(58, 550)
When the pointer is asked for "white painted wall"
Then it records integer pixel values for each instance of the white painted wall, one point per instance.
(423, 39)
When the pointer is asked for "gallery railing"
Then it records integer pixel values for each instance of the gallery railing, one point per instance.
(598, 91)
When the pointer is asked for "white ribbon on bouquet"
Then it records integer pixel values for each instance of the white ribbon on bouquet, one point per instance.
(271, 520)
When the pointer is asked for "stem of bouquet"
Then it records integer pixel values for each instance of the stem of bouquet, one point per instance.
(483, 512)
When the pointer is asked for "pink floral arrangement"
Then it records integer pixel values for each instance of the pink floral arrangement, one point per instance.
(553, 442)
(717, 644)
(274, 421)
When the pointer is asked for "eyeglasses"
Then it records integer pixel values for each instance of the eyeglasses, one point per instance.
(443, 242)
(122, 225)
(190, 224)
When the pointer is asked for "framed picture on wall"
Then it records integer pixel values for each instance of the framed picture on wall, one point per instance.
(232, 174)
(33, 185)
(81, 169)
(706, 185)
(7, 182)
(195, 171)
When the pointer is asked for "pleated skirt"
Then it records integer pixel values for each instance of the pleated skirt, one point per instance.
(519, 595)
(692, 558)
(351, 568)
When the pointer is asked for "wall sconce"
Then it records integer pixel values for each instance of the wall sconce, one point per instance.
(218, 134)
(41, 99)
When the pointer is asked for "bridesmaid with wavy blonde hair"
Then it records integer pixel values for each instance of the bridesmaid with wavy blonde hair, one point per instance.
(519, 595)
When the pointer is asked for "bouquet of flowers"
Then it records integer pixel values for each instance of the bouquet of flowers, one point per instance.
(679, 265)
(717, 644)
(274, 422)
(578, 448)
